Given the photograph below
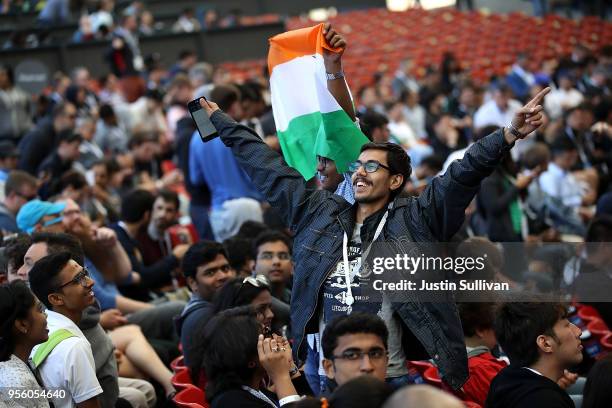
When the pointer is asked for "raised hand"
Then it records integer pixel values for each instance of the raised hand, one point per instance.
(530, 116)
(335, 40)
(208, 106)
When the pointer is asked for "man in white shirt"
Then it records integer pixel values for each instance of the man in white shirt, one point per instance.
(499, 110)
(557, 181)
(66, 290)
(563, 98)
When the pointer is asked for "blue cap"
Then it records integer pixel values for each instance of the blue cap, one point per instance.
(33, 211)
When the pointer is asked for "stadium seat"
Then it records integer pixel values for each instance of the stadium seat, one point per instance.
(588, 313)
(598, 328)
(190, 397)
(177, 363)
(432, 377)
(420, 365)
(181, 378)
(470, 404)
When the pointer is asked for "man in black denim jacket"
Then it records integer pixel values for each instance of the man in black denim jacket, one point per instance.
(319, 220)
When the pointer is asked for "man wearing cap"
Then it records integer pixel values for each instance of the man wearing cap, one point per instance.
(19, 188)
(37, 214)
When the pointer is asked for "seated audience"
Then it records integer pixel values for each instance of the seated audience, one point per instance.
(598, 387)
(237, 358)
(23, 325)
(206, 269)
(355, 345)
(272, 252)
(541, 344)
(66, 290)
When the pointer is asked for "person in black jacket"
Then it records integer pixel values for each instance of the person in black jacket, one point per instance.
(320, 219)
(541, 344)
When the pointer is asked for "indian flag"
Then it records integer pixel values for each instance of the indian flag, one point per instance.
(309, 121)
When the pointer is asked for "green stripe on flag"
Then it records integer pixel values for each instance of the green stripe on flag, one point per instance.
(332, 135)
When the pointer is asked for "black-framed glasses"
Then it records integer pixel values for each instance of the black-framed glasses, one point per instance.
(370, 166)
(322, 161)
(80, 278)
(375, 354)
(27, 197)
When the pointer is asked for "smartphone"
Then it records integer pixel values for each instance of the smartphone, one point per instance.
(205, 127)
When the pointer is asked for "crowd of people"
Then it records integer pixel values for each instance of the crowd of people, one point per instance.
(127, 241)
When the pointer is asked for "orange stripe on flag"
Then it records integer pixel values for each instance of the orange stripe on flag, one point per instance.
(297, 43)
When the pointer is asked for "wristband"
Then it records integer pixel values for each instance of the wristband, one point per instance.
(336, 75)
(293, 371)
(515, 131)
(289, 399)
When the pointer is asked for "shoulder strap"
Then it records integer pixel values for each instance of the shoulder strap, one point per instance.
(47, 347)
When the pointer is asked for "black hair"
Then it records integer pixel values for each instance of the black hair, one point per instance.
(74, 179)
(537, 155)
(17, 179)
(562, 144)
(236, 293)
(364, 391)
(597, 391)
(251, 91)
(352, 324)
(60, 109)
(200, 253)
(136, 204)
(141, 137)
(61, 242)
(434, 162)
(225, 96)
(230, 344)
(106, 112)
(16, 300)
(16, 249)
(186, 53)
(397, 161)
(169, 197)
(238, 251)
(68, 136)
(43, 275)
(476, 316)
(599, 231)
(9, 72)
(371, 120)
(270, 236)
(518, 325)
(250, 229)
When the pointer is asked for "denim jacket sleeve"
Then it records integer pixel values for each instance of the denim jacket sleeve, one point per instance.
(443, 202)
(282, 186)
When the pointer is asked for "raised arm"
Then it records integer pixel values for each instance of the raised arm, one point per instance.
(333, 65)
(282, 186)
(444, 201)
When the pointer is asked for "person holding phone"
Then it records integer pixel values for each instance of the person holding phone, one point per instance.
(319, 218)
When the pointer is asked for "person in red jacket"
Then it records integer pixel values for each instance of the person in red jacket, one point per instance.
(477, 321)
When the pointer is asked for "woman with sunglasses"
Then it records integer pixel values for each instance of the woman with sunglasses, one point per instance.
(238, 359)
(23, 325)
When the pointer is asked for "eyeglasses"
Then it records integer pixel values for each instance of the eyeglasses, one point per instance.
(375, 354)
(268, 256)
(370, 166)
(81, 278)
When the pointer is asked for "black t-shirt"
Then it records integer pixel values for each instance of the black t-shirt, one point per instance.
(522, 388)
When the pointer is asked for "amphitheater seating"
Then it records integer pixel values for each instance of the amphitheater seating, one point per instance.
(485, 44)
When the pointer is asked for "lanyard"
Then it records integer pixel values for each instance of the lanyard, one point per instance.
(347, 275)
(260, 395)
